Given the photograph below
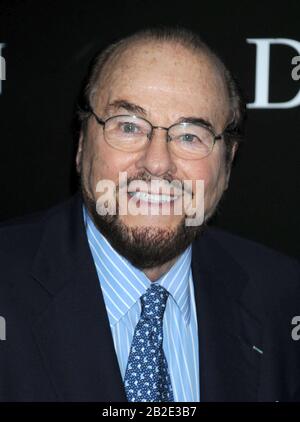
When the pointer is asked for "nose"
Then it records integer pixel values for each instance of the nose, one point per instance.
(156, 158)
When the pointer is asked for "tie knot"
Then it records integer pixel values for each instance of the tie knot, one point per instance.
(154, 302)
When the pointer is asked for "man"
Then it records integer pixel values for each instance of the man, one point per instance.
(104, 305)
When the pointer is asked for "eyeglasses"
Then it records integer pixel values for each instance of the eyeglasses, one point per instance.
(131, 133)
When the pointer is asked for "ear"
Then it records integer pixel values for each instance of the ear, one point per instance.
(79, 153)
(232, 155)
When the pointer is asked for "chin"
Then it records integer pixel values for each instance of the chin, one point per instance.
(162, 222)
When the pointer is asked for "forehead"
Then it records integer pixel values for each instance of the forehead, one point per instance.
(164, 78)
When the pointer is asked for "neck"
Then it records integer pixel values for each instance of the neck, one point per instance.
(156, 272)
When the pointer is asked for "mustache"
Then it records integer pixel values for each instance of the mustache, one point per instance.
(164, 181)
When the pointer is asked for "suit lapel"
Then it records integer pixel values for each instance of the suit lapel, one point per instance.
(73, 332)
(228, 330)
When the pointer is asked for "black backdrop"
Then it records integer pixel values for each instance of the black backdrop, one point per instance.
(47, 49)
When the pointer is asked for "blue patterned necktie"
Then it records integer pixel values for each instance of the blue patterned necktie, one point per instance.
(147, 378)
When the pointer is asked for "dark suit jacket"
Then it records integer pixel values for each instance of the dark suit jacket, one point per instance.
(58, 343)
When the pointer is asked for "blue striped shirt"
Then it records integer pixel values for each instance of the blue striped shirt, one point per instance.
(122, 286)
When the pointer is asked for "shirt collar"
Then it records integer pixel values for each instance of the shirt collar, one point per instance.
(123, 284)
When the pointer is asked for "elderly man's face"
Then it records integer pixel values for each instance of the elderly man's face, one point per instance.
(168, 82)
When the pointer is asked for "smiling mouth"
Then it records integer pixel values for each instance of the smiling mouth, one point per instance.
(153, 198)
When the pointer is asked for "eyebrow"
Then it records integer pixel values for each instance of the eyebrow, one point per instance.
(136, 109)
(130, 107)
(196, 121)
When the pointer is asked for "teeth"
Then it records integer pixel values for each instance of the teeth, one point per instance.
(147, 197)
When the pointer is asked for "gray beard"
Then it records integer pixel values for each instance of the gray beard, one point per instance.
(144, 247)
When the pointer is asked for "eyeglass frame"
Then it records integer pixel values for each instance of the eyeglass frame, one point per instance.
(216, 137)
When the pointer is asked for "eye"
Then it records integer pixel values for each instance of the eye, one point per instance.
(189, 138)
(129, 127)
